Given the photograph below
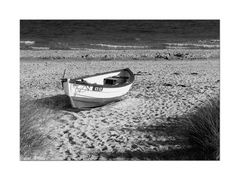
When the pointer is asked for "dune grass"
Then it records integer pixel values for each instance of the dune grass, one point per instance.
(203, 130)
(33, 120)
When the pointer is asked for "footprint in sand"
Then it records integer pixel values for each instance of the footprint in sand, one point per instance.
(128, 104)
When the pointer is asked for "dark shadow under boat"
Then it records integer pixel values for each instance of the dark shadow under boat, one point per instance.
(62, 102)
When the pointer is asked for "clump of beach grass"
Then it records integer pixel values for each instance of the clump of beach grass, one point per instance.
(33, 120)
(203, 130)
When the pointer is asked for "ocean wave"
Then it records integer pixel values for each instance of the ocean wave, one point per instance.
(40, 48)
(183, 45)
(119, 46)
(176, 47)
(27, 42)
(209, 41)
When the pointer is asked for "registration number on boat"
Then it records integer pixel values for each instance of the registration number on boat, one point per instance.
(97, 88)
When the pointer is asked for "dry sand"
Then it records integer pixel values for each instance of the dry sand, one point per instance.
(143, 125)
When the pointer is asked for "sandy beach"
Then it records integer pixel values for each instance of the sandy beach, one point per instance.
(144, 125)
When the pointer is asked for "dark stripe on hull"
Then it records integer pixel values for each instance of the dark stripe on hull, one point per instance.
(82, 103)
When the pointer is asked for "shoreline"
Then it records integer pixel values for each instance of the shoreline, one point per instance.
(144, 54)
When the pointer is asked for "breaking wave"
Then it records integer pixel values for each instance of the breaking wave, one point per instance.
(27, 42)
(193, 45)
(119, 46)
(200, 44)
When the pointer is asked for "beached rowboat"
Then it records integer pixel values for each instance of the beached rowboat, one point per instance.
(98, 89)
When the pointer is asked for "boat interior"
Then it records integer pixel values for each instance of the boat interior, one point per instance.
(115, 78)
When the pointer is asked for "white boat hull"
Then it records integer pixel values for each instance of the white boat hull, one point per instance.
(93, 92)
(83, 96)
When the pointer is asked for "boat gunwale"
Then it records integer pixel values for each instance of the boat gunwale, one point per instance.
(74, 81)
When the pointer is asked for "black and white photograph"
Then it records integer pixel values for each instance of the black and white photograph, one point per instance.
(119, 90)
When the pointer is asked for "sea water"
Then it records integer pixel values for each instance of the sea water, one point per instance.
(120, 34)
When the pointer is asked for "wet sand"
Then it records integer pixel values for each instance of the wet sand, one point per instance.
(142, 126)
